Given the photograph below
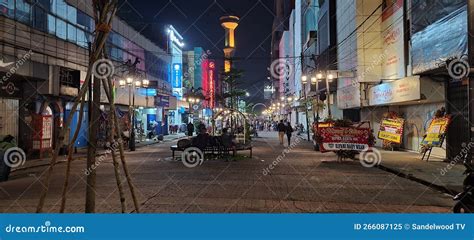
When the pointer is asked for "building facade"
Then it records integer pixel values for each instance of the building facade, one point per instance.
(45, 50)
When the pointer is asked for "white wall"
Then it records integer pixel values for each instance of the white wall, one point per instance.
(362, 51)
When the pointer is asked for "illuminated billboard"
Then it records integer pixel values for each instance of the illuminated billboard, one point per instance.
(177, 73)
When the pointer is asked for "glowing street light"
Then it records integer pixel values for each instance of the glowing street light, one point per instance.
(304, 79)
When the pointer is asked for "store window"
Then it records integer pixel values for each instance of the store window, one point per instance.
(23, 11)
(81, 38)
(71, 33)
(61, 29)
(61, 8)
(40, 18)
(7, 8)
(51, 24)
(71, 14)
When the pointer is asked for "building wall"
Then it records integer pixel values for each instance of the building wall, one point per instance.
(57, 37)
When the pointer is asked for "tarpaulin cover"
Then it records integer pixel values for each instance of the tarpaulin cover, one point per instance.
(445, 38)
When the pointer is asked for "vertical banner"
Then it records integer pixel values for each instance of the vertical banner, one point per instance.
(212, 84)
(393, 40)
(177, 76)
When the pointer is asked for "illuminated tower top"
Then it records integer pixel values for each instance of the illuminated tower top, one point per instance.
(229, 23)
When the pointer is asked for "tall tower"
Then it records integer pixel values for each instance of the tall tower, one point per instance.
(229, 23)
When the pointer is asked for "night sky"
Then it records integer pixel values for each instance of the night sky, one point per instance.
(198, 22)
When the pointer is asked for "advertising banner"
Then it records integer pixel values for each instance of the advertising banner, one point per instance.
(436, 130)
(177, 74)
(344, 138)
(404, 90)
(162, 101)
(349, 97)
(391, 129)
(393, 40)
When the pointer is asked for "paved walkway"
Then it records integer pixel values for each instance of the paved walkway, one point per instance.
(275, 180)
(445, 176)
(82, 153)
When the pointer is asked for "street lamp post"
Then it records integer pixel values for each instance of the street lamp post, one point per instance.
(329, 77)
(131, 105)
(304, 80)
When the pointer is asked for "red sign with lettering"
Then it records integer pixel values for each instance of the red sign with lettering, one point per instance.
(344, 138)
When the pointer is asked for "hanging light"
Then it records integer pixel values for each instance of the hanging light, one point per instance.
(304, 79)
(146, 83)
(319, 76)
(122, 83)
(330, 77)
(138, 84)
(129, 81)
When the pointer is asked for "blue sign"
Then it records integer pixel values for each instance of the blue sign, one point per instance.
(177, 75)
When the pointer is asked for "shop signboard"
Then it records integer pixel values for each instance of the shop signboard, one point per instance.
(162, 101)
(344, 139)
(404, 90)
(212, 82)
(349, 97)
(436, 131)
(391, 129)
(177, 76)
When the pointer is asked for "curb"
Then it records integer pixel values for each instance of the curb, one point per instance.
(81, 158)
(431, 185)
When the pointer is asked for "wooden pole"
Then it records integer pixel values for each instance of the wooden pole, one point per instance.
(98, 46)
(69, 156)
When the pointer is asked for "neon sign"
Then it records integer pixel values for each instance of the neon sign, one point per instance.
(212, 94)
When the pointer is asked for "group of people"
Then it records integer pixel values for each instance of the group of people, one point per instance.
(200, 128)
(284, 128)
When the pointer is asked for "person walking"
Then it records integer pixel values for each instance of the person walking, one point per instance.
(281, 131)
(289, 132)
(190, 129)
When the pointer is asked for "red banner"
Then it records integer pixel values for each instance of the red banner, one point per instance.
(344, 138)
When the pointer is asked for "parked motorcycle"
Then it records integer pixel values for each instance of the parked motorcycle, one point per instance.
(465, 199)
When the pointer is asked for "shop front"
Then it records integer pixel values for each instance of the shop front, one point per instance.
(348, 99)
(414, 101)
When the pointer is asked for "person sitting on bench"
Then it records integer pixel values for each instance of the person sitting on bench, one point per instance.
(201, 141)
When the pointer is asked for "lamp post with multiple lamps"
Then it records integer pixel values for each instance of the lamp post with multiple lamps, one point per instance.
(328, 77)
(192, 98)
(132, 85)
